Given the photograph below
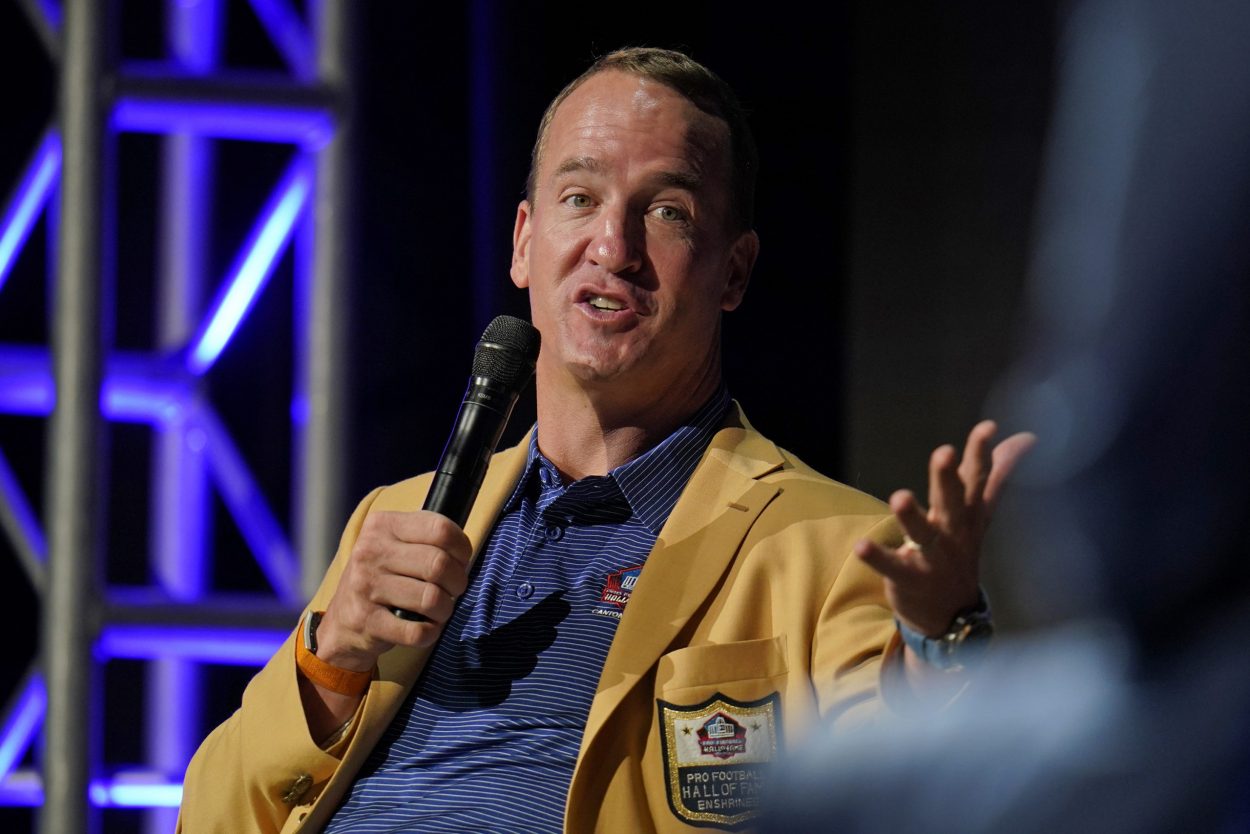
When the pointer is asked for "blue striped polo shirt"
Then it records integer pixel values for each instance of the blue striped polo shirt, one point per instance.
(489, 735)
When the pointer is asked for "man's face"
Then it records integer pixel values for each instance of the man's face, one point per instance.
(626, 249)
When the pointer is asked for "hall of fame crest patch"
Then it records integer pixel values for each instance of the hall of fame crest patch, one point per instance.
(618, 586)
(718, 757)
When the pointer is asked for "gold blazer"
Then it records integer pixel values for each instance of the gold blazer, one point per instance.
(751, 607)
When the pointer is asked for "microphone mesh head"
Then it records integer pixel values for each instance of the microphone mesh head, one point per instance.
(507, 351)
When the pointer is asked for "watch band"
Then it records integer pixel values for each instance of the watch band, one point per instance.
(963, 642)
(325, 675)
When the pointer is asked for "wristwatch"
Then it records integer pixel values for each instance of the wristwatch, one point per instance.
(310, 630)
(325, 675)
(963, 642)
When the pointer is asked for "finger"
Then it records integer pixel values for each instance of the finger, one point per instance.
(425, 527)
(896, 565)
(426, 563)
(912, 518)
(384, 626)
(1005, 458)
(946, 490)
(424, 598)
(974, 469)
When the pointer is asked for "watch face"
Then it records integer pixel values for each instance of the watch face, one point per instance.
(963, 643)
(976, 628)
(310, 631)
(966, 641)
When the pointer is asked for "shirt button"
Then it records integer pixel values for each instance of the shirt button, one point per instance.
(544, 475)
(554, 532)
(525, 590)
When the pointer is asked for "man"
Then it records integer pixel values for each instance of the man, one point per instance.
(665, 599)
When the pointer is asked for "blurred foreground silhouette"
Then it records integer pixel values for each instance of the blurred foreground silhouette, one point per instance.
(1132, 712)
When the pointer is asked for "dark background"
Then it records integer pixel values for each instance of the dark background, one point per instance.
(900, 147)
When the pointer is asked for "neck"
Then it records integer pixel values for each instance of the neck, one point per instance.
(586, 429)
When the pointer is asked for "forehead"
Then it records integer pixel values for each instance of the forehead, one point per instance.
(617, 116)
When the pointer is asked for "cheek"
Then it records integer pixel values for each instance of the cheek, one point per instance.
(696, 290)
(551, 258)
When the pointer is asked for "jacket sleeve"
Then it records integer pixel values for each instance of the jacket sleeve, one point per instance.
(250, 771)
(856, 642)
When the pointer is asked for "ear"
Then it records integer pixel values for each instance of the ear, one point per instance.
(742, 257)
(520, 246)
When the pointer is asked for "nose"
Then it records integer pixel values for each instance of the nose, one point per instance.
(617, 245)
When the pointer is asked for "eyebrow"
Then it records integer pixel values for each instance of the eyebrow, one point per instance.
(690, 181)
(580, 163)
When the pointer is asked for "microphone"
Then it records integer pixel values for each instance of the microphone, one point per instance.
(502, 365)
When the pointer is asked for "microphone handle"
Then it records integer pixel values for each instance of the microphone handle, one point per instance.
(483, 414)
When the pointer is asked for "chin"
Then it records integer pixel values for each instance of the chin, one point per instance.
(597, 372)
(602, 362)
(602, 370)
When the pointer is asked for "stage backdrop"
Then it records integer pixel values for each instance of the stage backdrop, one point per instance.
(900, 146)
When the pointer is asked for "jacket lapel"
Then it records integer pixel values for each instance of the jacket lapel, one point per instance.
(403, 664)
(399, 668)
(692, 554)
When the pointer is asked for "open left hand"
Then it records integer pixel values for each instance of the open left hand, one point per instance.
(935, 574)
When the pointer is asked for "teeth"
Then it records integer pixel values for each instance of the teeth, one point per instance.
(601, 303)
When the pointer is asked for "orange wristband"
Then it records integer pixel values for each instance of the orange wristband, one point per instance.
(325, 675)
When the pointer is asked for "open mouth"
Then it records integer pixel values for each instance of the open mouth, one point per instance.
(609, 306)
(605, 304)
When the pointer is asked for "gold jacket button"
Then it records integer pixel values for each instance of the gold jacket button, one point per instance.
(297, 790)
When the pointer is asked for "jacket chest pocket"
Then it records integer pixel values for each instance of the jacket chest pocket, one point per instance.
(719, 730)
(745, 670)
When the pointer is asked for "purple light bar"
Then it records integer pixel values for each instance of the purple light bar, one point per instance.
(22, 789)
(129, 790)
(247, 505)
(139, 400)
(308, 127)
(20, 723)
(29, 198)
(289, 34)
(253, 266)
(26, 381)
(134, 390)
(32, 396)
(193, 33)
(136, 791)
(28, 528)
(245, 647)
(51, 11)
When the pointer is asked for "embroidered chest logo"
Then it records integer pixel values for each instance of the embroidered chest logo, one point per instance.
(722, 737)
(617, 589)
(717, 756)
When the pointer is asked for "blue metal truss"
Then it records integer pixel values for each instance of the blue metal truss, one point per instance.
(179, 622)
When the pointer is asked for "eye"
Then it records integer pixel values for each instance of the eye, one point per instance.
(578, 201)
(669, 214)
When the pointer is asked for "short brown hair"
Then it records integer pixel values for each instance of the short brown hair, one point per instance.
(702, 88)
